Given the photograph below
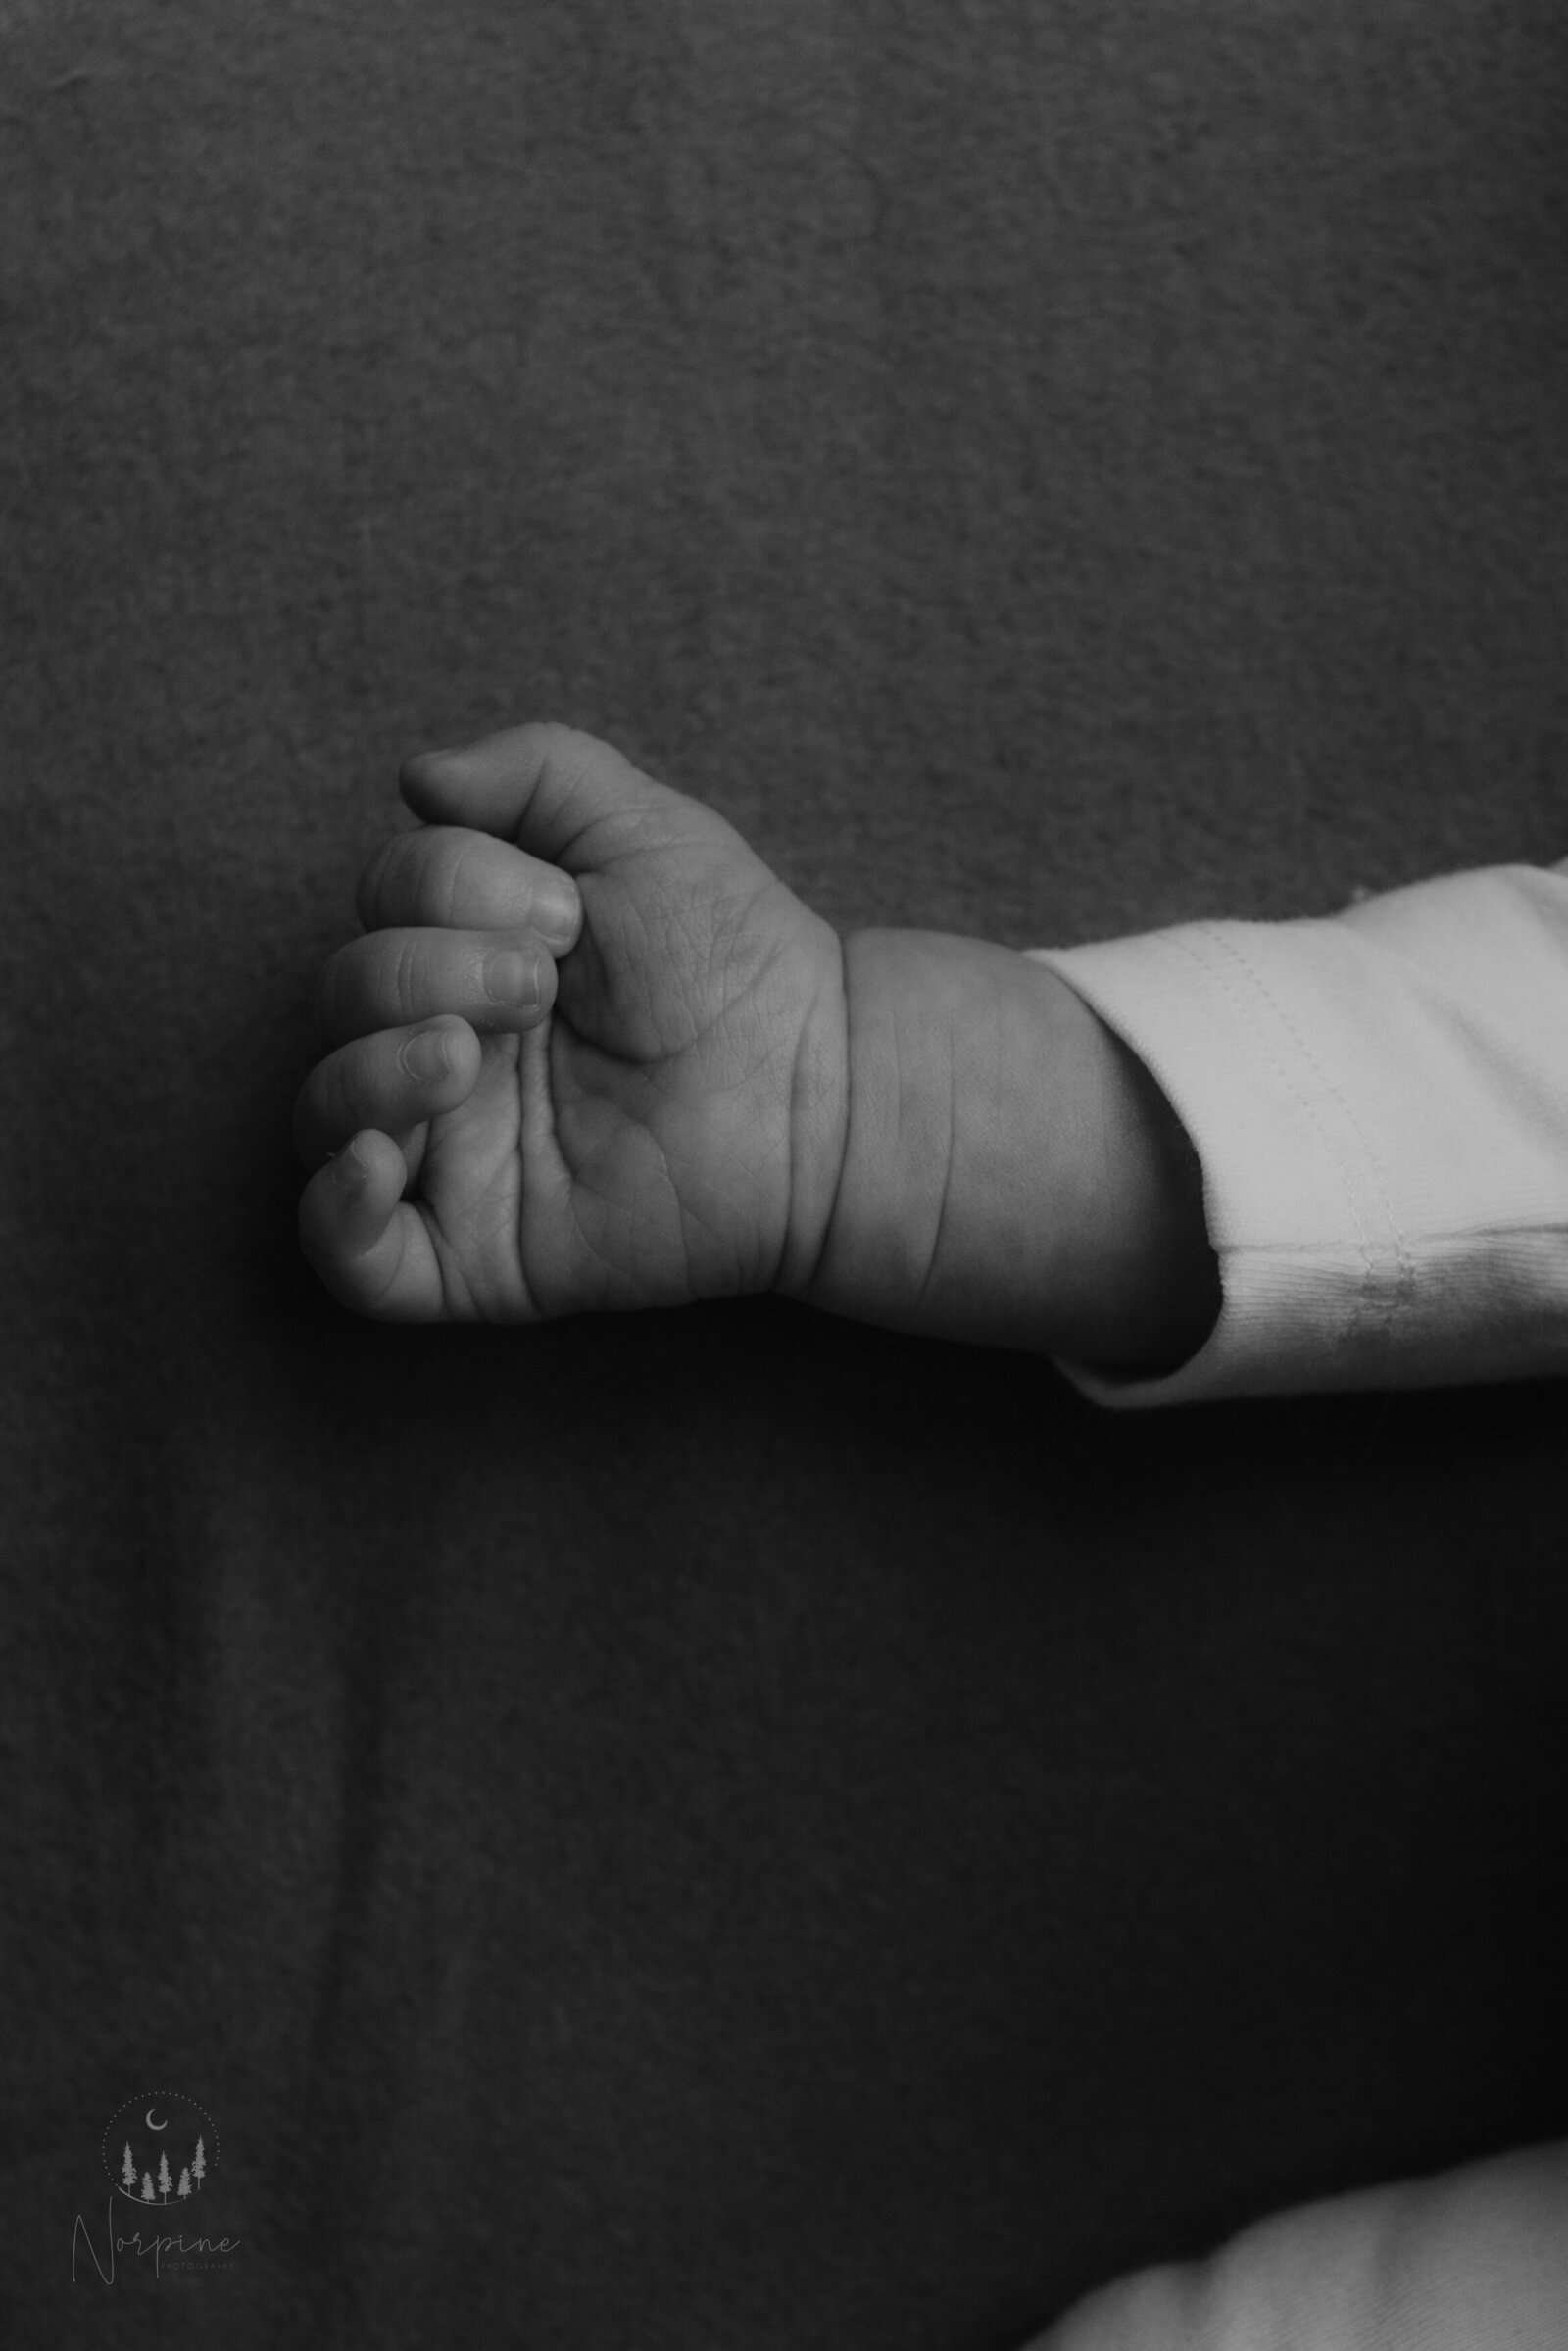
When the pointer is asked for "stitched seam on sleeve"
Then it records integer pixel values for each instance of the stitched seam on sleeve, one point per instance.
(1531, 1229)
(1404, 1278)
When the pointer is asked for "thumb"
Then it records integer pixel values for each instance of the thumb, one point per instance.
(562, 794)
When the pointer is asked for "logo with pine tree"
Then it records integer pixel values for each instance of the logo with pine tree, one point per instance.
(160, 2148)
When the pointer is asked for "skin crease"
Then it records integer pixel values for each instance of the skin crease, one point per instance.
(703, 1092)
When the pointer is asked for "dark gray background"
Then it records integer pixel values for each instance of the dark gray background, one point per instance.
(730, 1832)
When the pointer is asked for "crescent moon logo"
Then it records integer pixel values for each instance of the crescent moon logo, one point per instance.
(158, 2147)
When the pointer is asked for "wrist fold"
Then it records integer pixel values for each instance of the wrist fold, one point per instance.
(1008, 1172)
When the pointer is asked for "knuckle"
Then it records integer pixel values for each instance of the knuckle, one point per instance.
(565, 755)
(460, 879)
(389, 875)
(399, 975)
(566, 775)
(372, 878)
(350, 1093)
(423, 877)
(544, 738)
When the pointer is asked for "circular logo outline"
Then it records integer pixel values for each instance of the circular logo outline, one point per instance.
(145, 2101)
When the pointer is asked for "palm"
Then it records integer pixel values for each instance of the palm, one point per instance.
(636, 1150)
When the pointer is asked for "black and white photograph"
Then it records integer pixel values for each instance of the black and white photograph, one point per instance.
(784, 1189)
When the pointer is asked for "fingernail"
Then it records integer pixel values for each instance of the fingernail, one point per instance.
(349, 1169)
(556, 912)
(512, 978)
(428, 1053)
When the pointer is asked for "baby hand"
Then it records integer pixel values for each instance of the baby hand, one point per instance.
(590, 1053)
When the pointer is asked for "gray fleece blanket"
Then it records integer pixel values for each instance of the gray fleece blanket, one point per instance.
(727, 1832)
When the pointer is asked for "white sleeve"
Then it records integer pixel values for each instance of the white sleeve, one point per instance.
(1472, 2260)
(1379, 1100)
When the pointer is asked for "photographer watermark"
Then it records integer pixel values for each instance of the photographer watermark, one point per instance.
(160, 2152)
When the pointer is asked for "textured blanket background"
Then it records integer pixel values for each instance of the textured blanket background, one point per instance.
(729, 1831)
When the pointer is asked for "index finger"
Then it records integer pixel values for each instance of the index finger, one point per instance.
(464, 880)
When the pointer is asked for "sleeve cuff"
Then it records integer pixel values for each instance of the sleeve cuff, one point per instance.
(1379, 1101)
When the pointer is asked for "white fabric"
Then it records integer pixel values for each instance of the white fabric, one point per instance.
(1379, 1100)
(1473, 2260)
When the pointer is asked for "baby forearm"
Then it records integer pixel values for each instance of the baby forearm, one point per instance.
(1011, 1173)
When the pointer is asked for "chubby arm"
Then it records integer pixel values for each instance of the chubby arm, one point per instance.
(1004, 1170)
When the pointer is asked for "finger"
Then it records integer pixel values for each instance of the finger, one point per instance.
(459, 879)
(364, 1240)
(495, 979)
(394, 1080)
(562, 795)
